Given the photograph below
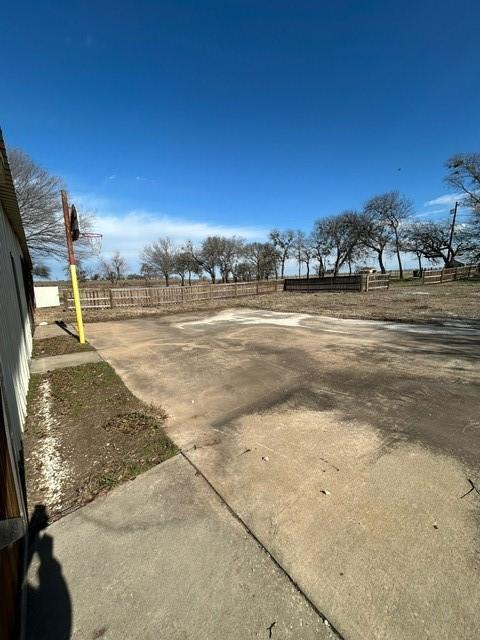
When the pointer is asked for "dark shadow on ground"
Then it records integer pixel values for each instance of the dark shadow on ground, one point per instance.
(49, 607)
(63, 325)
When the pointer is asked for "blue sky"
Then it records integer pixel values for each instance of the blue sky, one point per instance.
(185, 118)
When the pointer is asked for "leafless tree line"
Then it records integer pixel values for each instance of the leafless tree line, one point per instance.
(218, 257)
(384, 226)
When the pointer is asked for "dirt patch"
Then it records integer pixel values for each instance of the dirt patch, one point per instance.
(85, 433)
(58, 346)
(403, 302)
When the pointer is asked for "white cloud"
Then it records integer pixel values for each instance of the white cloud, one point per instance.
(447, 200)
(430, 213)
(129, 232)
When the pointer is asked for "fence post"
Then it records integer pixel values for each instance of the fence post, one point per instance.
(257, 288)
(441, 276)
(110, 292)
(65, 299)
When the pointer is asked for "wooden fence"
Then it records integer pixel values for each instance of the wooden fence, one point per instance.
(156, 296)
(357, 282)
(395, 273)
(438, 276)
(375, 281)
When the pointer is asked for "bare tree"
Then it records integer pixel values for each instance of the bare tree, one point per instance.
(215, 253)
(38, 195)
(434, 240)
(374, 234)
(114, 269)
(413, 240)
(321, 244)
(298, 245)
(185, 265)
(231, 251)
(160, 257)
(308, 253)
(245, 271)
(341, 234)
(464, 176)
(282, 241)
(390, 209)
(261, 256)
(147, 272)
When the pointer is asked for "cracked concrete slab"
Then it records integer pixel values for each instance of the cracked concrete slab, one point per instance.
(161, 557)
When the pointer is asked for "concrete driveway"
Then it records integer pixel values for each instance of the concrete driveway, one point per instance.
(345, 446)
(161, 558)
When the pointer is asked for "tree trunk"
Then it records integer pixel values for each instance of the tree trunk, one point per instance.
(397, 251)
(321, 268)
(419, 258)
(338, 264)
(283, 267)
(182, 277)
(380, 262)
(308, 269)
(400, 268)
(167, 279)
(189, 278)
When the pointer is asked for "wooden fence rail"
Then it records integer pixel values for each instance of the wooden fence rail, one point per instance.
(357, 282)
(156, 296)
(395, 273)
(375, 281)
(439, 276)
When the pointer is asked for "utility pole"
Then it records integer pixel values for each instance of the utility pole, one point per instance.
(452, 229)
(69, 232)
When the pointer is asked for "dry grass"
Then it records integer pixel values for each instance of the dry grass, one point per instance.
(58, 346)
(85, 433)
(404, 302)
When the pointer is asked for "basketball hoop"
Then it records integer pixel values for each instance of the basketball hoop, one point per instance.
(94, 240)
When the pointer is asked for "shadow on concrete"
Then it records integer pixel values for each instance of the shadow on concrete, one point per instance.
(63, 325)
(49, 607)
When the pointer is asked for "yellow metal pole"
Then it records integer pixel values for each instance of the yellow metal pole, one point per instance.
(73, 268)
(76, 301)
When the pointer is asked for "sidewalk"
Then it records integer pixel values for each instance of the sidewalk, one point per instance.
(161, 558)
(48, 363)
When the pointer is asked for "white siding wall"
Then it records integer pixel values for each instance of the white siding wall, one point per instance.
(15, 333)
